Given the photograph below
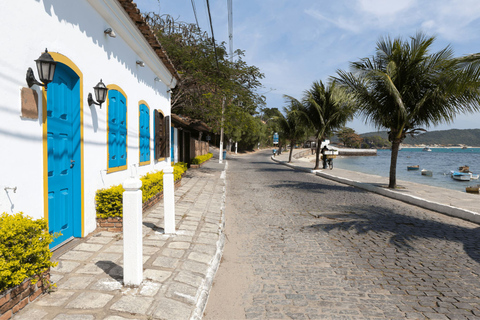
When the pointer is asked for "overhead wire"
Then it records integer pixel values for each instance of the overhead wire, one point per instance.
(195, 13)
(213, 36)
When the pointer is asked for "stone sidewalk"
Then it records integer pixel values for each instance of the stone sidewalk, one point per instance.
(178, 269)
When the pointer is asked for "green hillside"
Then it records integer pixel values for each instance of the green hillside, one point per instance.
(469, 137)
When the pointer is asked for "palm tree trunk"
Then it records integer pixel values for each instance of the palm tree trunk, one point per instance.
(317, 155)
(292, 143)
(393, 164)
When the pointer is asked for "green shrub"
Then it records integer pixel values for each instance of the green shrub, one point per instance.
(24, 251)
(201, 159)
(109, 201)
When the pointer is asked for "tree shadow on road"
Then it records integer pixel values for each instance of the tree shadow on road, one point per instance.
(314, 187)
(400, 230)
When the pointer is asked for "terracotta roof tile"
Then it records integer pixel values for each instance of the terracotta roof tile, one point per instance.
(134, 13)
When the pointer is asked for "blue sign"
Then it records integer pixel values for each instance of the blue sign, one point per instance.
(275, 138)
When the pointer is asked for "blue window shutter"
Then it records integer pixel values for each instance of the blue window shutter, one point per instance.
(144, 133)
(122, 144)
(167, 136)
(112, 128)
(117, 129)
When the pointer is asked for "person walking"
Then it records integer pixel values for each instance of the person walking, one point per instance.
(324, 156)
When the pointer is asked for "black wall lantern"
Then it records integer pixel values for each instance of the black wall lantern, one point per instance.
(100, 94)
(46, 69)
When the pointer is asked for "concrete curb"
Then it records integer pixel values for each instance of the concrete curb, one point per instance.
(394, 194)
(204, 290)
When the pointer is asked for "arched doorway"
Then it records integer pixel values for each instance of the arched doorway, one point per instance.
(64, 169)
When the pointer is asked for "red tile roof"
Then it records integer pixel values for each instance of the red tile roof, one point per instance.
(134, 13)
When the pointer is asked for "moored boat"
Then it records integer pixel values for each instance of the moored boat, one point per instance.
(426, 149)
(473, 189)
(413, 167)
(461, 176)
(426, 172)
(466, 169)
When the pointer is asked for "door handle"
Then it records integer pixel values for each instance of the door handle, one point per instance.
(72, 163)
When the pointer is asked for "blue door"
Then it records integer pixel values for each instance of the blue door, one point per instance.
(63, 144)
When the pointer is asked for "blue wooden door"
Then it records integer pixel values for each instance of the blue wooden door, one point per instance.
(63, 141)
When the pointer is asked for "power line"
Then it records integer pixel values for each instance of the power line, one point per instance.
(213, 36)
(195, 13)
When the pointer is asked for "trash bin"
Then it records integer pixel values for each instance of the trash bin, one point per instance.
(224, 155)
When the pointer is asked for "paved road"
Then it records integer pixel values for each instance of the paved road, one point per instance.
(302, 247)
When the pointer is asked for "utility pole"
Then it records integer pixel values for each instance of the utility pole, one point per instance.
(230, 37)
(220, 156)
(230, 28)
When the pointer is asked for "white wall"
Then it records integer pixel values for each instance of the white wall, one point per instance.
(75, 30)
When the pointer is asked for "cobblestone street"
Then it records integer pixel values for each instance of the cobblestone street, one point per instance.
(302, 247)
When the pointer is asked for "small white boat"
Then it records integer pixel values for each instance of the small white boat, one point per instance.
(461, 176)
(426, 172)
(426, 149)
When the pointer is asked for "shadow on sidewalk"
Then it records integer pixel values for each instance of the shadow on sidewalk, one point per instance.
(111, 268)
(153, 227)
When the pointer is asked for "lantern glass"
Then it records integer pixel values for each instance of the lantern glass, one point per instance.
(46, 67)
(100, 92)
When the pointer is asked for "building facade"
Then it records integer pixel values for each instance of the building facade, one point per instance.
(58, 148)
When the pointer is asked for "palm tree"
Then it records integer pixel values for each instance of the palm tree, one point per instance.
(404, 87)
(326, 108)
(291, 126)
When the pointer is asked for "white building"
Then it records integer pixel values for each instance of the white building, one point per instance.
(58, 150)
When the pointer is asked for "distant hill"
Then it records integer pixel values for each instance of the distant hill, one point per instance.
(469, 137)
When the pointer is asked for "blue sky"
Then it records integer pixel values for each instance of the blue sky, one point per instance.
(297, 42)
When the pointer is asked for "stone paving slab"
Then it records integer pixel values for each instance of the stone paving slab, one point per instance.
(178, 269)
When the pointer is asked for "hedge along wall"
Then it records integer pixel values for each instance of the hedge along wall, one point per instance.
(201, 159)
(109, 201)
(24, 261)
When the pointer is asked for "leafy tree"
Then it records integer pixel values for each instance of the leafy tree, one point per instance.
(349, 137)
(376, 142)
(208, 79)
(404, 87)
(291, 126)
(326, 108)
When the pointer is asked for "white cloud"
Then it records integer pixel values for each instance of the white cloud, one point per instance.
(382, 8)
(340, 22)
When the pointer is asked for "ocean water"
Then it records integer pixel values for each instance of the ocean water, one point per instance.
(440, 161)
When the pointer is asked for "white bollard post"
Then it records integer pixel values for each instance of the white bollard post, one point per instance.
(132, 233)
(168, 200)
